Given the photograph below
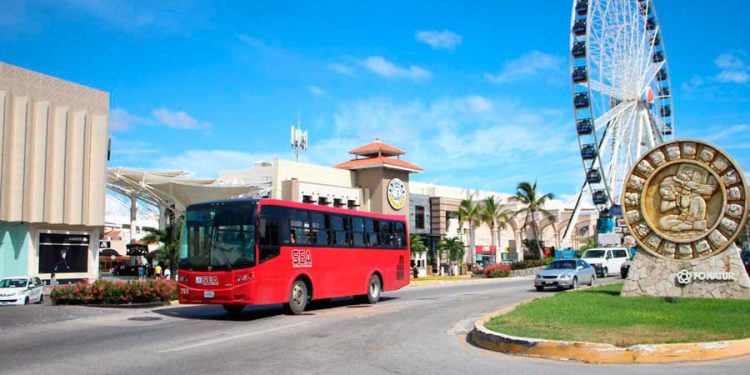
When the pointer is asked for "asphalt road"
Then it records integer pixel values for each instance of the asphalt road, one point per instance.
(418, 330)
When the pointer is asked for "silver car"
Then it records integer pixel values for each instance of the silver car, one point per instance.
(565, 274)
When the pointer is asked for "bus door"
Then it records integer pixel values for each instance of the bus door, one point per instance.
(272, 272)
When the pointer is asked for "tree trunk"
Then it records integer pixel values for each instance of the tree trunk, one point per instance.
(536, 235)
(492, 240)
(499, 250)
(472, 244)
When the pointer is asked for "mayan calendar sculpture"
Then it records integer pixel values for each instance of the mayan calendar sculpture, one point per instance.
(685, 202)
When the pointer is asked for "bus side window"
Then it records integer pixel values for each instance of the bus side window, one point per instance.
(385, 234)
(370, 234)
(300, 225)
(337, 230)
(400, 235)
(348, 235)
(358, 227)
(375, 237)
(318, 224)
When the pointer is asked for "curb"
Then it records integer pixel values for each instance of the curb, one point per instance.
(590, 352)
(124, 305)
(416, 284)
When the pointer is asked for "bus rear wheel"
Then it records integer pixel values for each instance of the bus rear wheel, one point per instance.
(297, 298)
(373, 291)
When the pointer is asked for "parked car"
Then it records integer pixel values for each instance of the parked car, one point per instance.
(605, 260)
(565, 274)
(21, 290)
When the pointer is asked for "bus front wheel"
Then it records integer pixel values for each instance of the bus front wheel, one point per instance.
(373, 291)
(297, 298)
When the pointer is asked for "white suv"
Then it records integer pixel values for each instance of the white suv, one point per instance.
(21, 290)
(605, 260)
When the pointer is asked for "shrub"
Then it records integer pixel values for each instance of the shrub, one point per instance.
(498, 273)
(114, 292)
(531, 263)
(497, 270)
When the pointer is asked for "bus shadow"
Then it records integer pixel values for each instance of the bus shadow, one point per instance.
(250, 313)
(217, 312)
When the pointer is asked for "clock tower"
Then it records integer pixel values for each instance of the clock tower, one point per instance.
(380, 171)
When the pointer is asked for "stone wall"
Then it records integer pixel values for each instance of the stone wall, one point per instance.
(653, 276)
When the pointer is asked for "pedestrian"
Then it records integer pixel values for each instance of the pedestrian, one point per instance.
(167, 273)
(141, 272)
(157, 272)
(52, 280)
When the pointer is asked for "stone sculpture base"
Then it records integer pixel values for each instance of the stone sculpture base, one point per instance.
(652, 276)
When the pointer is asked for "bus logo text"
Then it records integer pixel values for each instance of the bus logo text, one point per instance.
(301, 258)
(207, 280)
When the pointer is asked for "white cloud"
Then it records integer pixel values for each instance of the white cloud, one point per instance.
(733, 76)
(719, 133)
(208, 163)
(530, 65)
(732, 70)
(167, 16)
(379, 65)
(341, 68)
(455, 138)
(728, 61)
(126, 150)
(445, 40)
(120, 120)
(479, 103)
(178, 119)
(317, 91)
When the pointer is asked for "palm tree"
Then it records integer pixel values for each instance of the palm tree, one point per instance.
(469, 213)
(528, 196)
(170, 251)
(495, 217)
(417, 247)
(453, 247)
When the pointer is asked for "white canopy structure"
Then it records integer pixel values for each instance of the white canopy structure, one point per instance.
(170, 189)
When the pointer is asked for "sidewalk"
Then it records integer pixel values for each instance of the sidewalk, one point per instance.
(454, 280)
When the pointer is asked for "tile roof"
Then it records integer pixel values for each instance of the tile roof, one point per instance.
(377, 148)
(379, 161)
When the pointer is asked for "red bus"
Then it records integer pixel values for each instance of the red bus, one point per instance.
(256, 252)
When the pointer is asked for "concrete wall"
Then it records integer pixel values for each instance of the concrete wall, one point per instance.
(376, 180)
(424, 201)
(15, 242)
(53, 149)
(286, 170)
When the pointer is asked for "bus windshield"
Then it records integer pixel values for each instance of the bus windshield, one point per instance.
(220, 237)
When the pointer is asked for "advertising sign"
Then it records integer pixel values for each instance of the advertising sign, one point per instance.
(61, 253)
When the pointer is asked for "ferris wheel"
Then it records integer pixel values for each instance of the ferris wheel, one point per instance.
(621, 92)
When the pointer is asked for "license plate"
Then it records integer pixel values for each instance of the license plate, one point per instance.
(544, 283)
(208, 294)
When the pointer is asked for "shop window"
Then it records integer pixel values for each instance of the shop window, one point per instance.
(419, 217)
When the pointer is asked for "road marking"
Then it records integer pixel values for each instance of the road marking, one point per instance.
(215, 341)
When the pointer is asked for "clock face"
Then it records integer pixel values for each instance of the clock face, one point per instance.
(396, 194)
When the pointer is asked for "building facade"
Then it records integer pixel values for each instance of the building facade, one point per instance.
(366, 183)
(53, 154)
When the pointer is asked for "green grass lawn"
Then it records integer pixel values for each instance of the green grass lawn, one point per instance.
(601, 315)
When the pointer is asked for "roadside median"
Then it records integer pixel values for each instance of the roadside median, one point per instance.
(521, 329)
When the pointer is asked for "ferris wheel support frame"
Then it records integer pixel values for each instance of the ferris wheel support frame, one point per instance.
(631, 91)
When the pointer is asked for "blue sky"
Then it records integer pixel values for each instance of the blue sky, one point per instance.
(476, 92)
